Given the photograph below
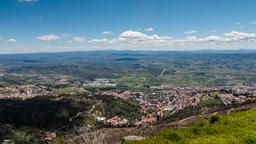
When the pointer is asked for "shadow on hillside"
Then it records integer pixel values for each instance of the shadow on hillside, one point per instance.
(37, 112)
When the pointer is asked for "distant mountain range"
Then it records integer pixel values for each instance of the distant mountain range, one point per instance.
(129, 52)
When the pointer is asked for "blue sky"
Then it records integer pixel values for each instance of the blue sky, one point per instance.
(77, 25)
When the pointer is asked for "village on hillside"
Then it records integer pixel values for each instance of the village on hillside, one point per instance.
(157, 103)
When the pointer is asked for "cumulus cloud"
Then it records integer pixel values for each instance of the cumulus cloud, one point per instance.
(136, 38)
(131, 39)
(27, 1)
(233, 36)
(190, 32)
(129, 36)
(79, 39)
(11, 40)
(50, 37)
(149, 29)
(103, 40)
(139, 37)
(210, 39)
(230, 37)
(195, 40)
(107, 33)
(239, 36)
(132, 35)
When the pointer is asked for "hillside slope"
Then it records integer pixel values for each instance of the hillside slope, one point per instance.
(239, 127)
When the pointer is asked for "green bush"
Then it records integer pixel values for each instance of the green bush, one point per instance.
(213, 119)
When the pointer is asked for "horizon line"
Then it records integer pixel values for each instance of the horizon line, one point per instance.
(84, 51)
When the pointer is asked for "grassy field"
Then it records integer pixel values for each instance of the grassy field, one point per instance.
(237, 128)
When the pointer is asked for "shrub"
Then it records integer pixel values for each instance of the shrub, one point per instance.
(213, 119)
(85, 135)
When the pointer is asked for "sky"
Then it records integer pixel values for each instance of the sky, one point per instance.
(31, 26)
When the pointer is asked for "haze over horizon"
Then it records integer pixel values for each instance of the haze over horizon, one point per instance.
(31, 26)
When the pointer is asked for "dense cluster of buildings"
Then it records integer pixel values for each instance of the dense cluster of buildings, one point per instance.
(155, 103)
(101, 83)
(163, 101)
(22, 91)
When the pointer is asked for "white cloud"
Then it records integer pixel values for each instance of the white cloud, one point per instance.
(233, 36)
(103, 40)
(50, 37)
(230, 38)
(190, 32)
(79, 39)
(210, 39)
(239, 36)
(149, 29)
(132, 35)
(107, 33)
(28, 1)
(11, 40)
(138, 37)
(136, 40)
(195, 40)
(141, 39)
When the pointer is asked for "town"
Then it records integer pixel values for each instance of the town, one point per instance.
(156, 103)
